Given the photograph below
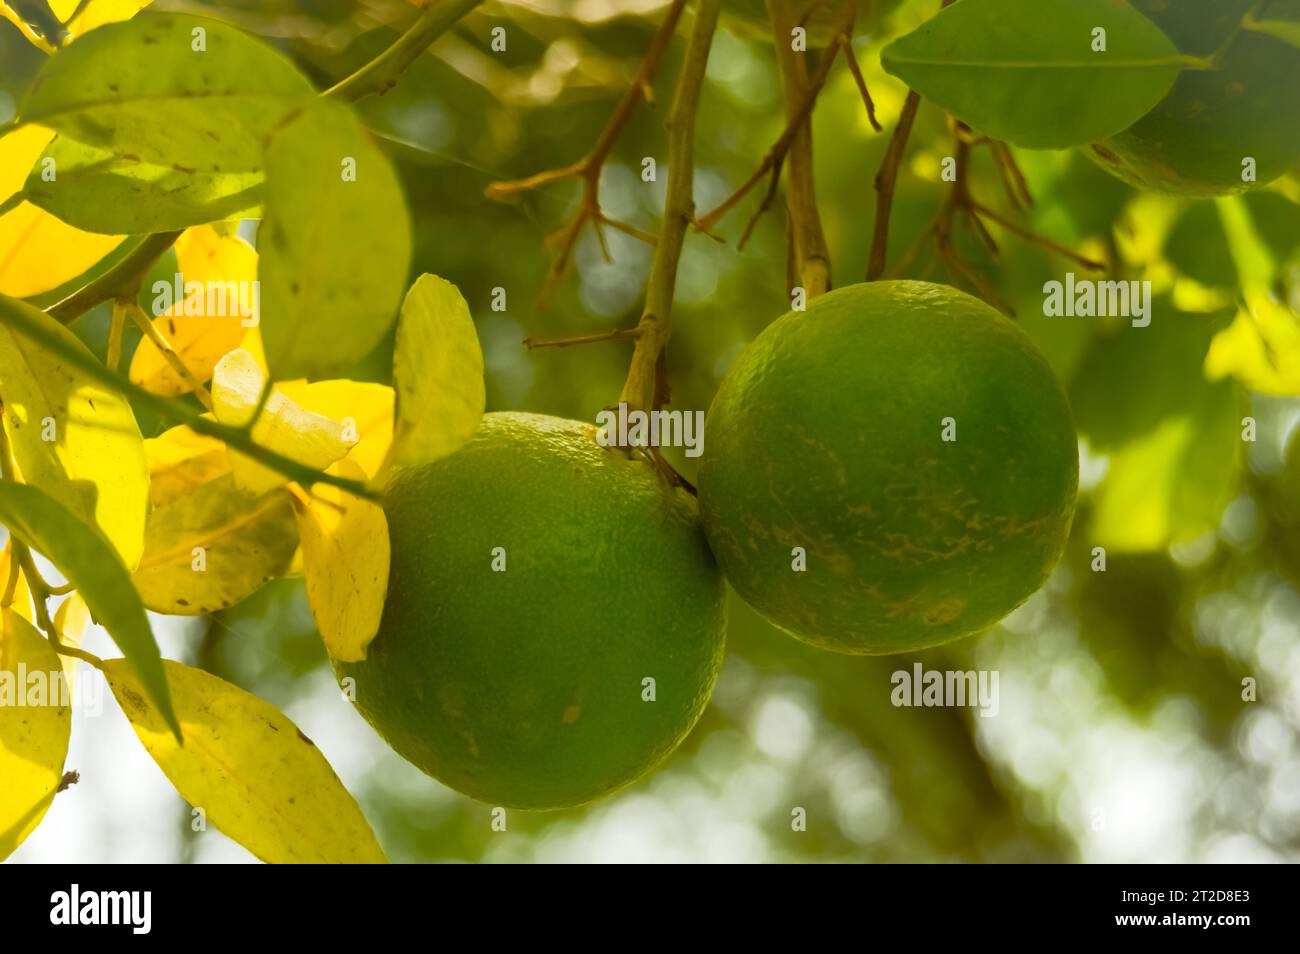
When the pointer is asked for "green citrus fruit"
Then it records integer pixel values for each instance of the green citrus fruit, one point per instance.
(828, 435)
(1196, 139)
(526, 686)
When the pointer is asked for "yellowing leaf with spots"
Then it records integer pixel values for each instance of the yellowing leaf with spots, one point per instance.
(180, 461)
(72, 437)
(438, 374)
(34, 725)
(206, 316)
(209, 548)
(345, 553)
(283, 426)
(258, 778)
(37, 251)
(364, 410)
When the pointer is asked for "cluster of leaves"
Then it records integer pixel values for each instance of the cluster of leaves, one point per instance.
(168, 123)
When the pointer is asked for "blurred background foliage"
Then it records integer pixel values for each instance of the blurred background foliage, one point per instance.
(1121, 734)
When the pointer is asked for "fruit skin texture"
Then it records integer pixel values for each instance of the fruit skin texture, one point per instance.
(825, 434)
(523, 688)
(1193, 142)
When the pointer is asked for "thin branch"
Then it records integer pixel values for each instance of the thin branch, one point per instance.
(619, 334)
(861, 80)
(773, 161)
(382, 73)
(169, 354)
(812, 260)
(588, 169)
(887, 181)
(121, 281)
(644, 382)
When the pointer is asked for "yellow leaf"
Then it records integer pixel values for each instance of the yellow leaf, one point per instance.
(37, 251)
(32, 37)
(364, 410)
(213, 546)
(72, 619)
(96, 13)
(22, 603)
(437, 372)
(1261, 347)
(33, 729)
(181, 460)
(345, 556)
(73, 438)
(283, 426)
(260, 780)
(207, 319)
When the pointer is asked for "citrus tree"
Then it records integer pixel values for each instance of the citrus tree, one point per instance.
(263, 267)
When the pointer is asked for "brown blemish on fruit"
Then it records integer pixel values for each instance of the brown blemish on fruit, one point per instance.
(571, 715)
(945, 611)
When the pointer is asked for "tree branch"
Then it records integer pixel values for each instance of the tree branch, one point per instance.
(382, 73)
(811, 259)
(644, 385)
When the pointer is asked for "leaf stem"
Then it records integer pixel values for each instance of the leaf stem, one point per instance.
(646, 381)
(123, 280)
(173, 359)
(382, 73)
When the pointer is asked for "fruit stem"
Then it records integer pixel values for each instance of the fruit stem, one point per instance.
(811, 259)
(646, 382)
(382, 73)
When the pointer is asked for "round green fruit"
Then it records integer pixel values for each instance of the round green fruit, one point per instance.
(913, 443)
(538, 580)
(1195, 141)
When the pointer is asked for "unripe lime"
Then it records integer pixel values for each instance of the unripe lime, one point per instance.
(916, 447)
(1197, 140)
(538, 582)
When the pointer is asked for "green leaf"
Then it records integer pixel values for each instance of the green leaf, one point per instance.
(1172, 438)
(335, 248)
(437, 374)
(101, 192)
(1025, 70)
(70, 435)
(187, 96)
(94, 568)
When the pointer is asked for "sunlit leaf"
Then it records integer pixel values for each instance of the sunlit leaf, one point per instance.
(257, 777)
(1171, 437)
(212, 547)
(329, 297)
(437, 373)
(345, 552)
(87, 560)
(181, 461)
(72, 619)
(95, 13)
(174, 92)
(1025, 70)
(72, 437)
(225, 269)
(33, 729)
(364, 410)
(310, 439)
(37, 251)
(1261, 347)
